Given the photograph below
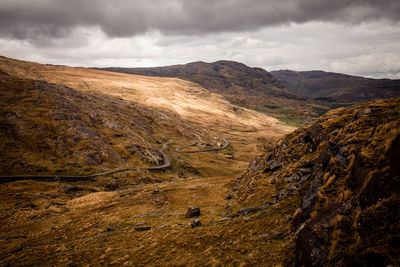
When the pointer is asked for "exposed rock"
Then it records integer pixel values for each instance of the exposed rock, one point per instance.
(345, 167)
(192, 211)
(248, 210)
(228, 197)
(142, 228)
(93, 158)
(195, 223)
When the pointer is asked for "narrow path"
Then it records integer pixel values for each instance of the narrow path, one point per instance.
(72, 178)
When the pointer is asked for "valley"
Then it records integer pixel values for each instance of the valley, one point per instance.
(107, 164)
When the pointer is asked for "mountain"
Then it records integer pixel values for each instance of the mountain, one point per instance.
(241, 85)
(336, 87)
(79, 121)
(337, 182)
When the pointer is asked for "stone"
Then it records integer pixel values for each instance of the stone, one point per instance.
(142, 228)
(195, 223)
(70, 188)
(275, 165)
(247, 210)
(192, 212)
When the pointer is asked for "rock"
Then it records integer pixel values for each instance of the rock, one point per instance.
(195, 223)
(70, 188)
(247, 210)
(156, 192)
(109, 229)
(93, 158)
(32, 217)
(192, 212)
(275, 165)
(142, 228)
(364, 112)
(228, 197)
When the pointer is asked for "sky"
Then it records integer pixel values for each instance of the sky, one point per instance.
(358, 37)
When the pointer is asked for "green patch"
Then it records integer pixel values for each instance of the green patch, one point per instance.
(272, 106)
(288, 120)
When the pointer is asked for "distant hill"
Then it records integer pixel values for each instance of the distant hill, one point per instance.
(241, 85)
(336, 87)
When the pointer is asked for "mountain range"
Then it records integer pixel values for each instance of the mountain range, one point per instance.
(294, 97)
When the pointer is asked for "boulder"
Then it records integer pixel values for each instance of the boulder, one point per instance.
(192, 212)
(195, 223)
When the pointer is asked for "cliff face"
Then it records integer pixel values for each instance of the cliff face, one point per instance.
(343, 175)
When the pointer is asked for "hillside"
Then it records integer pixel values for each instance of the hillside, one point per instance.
(336, 87)
(241, 85)
(48, 128)
(337, 184)
(326, 194)
(60, 125)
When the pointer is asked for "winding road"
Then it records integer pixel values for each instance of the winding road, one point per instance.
(179, 149)
(72, 178)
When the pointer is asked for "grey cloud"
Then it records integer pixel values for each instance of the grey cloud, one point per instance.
(26, 19)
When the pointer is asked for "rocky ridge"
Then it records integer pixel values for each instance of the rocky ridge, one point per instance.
(341, 177)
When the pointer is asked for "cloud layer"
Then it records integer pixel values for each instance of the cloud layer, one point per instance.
(26, 19)
(358, 37)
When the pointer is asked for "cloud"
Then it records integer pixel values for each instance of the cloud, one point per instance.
(358, 37)
(24, 19)
(368, 49)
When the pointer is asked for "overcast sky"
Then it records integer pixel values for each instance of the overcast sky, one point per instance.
(360, 37)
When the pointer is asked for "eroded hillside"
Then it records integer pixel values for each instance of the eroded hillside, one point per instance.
(241, 85)
(53, 129)
(338, 181)
(189, 100)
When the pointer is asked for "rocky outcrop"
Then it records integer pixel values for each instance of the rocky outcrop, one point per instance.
(344, 174)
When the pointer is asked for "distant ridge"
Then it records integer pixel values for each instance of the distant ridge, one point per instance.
(241, 85)
(337, 87)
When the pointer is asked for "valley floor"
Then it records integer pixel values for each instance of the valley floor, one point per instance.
(55, 223)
